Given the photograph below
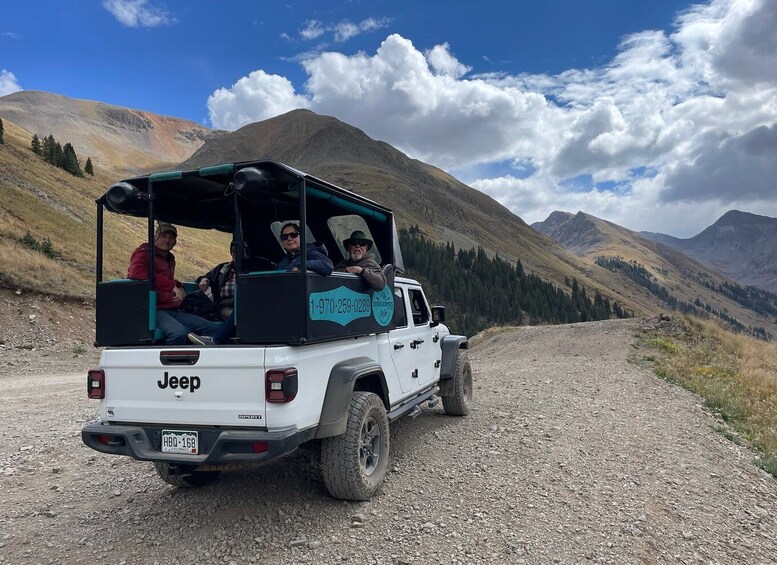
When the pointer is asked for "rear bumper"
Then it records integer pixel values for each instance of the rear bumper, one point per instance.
(217, 447)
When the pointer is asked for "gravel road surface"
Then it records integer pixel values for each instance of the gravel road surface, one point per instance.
(571, 455)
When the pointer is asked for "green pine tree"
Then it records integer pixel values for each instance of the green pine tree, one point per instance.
(1, 131)
(36, 147)
(88, 169)
(56, 158)
(69, 161)
(49, 149)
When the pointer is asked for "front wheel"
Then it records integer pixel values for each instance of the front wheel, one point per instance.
(459, 402)
(185, 475)
(354, 464)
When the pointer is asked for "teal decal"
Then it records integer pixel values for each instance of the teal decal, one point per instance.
(341, 306)
(383, 306)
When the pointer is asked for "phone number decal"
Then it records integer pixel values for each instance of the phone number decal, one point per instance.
(341, 306)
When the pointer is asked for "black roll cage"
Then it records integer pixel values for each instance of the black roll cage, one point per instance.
(244, 199)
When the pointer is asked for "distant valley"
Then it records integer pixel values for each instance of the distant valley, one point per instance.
(676, 278)
(740, 245)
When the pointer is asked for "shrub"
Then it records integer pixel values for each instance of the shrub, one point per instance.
(45, 247)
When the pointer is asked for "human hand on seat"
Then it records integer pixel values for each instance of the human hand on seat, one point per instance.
(204, 284)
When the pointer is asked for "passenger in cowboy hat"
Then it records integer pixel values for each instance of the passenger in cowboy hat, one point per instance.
(360, 262)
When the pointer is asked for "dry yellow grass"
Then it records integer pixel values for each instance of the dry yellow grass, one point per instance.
(47, 202)
(735, 374)
(33, 270)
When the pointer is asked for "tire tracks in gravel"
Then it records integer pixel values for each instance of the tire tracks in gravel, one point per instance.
(571, 455)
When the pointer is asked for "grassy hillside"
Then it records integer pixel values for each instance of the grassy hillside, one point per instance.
(49, 203)
(736, 376)
(117, 138)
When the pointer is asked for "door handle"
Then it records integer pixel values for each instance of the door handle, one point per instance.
(399, 345)
(415, 343)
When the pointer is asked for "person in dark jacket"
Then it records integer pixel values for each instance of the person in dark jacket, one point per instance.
(360, 261)
(317, 261)
(218, 284)
(173, 324)
(317, 258)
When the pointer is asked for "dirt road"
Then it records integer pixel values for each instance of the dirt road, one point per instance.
(572, 455)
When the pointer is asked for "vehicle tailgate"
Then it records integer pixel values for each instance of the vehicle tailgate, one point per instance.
(209, 386)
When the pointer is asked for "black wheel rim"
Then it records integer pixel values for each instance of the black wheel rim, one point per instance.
(467, 386)
(369, 445)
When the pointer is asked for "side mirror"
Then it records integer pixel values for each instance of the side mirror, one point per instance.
(438, 315)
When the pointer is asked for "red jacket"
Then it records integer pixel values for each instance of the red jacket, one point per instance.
(164, 274)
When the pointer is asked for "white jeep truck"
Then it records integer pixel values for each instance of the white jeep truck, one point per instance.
(314, 359)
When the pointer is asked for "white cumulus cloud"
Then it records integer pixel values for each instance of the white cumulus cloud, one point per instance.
(251, 99)
(8, 83)
(677, 126)
(443, 63)
(138, 13)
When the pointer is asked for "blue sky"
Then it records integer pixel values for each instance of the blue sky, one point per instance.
(605, 106)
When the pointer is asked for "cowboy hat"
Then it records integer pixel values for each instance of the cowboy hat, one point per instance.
(358, 235)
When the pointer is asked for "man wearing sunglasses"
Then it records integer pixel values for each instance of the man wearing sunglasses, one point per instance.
(360, 262)
(318, 261)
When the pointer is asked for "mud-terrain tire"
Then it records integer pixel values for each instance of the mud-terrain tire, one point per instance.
(354, 464)
(184, 475)
(460, 402)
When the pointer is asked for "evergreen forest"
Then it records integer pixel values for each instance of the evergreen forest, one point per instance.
(55, 154)
(479, 291)
(761, 301)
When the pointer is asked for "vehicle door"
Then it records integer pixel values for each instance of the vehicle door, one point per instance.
(400, 339)
(425, 341)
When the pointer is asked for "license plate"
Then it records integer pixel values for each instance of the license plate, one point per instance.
(176, 441)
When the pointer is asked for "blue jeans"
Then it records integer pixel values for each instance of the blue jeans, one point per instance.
(175, 326)
(226, 331)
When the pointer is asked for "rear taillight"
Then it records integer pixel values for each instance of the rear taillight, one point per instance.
(95, 383)
(281, 385)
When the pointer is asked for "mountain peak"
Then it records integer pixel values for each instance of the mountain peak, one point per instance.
(113, 136)
(741, 245)
(555, 219)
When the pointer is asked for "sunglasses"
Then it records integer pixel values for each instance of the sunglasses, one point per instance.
(359, 243)
(291, 235)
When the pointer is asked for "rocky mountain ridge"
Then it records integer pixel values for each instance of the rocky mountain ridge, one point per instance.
(740, 245)
(445, 209)
(118, 139)
(668, 273)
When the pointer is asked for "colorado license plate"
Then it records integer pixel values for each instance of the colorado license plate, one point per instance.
(175, 441)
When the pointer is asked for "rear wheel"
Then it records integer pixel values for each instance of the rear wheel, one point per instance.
(459, 402)
(185, 475)
(354, 464)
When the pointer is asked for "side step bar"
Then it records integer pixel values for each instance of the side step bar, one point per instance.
(410, 404)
